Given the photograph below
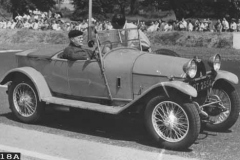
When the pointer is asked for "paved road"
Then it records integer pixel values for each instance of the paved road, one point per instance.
(47, 146)
(100, 136)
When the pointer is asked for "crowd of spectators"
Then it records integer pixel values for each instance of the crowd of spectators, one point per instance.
(221, 25)
(38, 20)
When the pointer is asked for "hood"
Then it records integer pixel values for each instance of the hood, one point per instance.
(159, 65)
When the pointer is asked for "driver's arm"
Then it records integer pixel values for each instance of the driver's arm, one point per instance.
(76, 54)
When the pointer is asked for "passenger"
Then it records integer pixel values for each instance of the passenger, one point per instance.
(119, 22)
(75, 50)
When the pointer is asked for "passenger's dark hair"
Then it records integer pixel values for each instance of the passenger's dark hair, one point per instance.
(118, 21)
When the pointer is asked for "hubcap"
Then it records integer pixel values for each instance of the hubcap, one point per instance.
(225, 104)
(24, 99)
(170, 121)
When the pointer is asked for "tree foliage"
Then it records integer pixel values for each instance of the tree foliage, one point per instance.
(101, 8)
(22, 6)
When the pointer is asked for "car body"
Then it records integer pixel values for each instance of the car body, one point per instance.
(174, 95)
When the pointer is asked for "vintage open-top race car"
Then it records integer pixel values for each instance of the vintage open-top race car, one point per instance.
(173, 95)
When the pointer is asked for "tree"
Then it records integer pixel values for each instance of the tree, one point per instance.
(22, 6)
(102, 7)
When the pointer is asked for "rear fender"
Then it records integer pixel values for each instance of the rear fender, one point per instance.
(228, 76)
(35, 76)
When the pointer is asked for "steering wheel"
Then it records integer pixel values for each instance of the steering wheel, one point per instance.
(95, 54)
(107, 46)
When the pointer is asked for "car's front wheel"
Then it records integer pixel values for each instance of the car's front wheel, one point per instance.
(174, 125)
(24, 101)
(223, 114)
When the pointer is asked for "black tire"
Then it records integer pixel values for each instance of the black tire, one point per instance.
(189, 119)
(233, 115)
(31, 113)
(166, 52)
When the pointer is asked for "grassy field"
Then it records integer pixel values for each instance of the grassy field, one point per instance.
(187, 44)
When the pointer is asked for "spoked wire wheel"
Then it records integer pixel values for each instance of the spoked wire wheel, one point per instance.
(174, 125)
(225, 104)
(224, 114)
(25, 100)
(170, 121)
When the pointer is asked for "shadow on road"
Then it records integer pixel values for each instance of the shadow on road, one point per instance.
(119, 130)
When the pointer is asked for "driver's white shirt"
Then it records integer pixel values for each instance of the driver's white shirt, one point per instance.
(133, 34)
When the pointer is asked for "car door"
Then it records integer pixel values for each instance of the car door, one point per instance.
(56, 75)
(85, 79)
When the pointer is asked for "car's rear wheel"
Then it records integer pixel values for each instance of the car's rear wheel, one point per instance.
(173, 125)
(24, 101)
(223, 115)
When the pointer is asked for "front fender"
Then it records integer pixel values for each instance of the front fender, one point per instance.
(178, 85)
(181, 86)
(35, 76)
(230, 77)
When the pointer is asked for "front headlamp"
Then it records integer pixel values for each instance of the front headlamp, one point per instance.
(215, 62)
(190, 68)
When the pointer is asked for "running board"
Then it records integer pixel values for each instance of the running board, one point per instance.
(84, 105)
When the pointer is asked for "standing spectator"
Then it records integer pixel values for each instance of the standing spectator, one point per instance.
(156, 26)
(18, 17)
(98, 26)
(184, 22)
(238, 25)
(159, 24)
(73, 26)
(162, 25)
(151, 27)
(190, 26)
(183, 25)
(197, 25)
(225, 25)
(109, 25)
(175, 25)
(36, 25)
(56, 26)
(35, 17)
(84, 26)
(143, 26)
(218, 26)
(9, 24)
(204, 26)
(13, 24)
(26, 16)
(210, 25)
(168, 26)
(4, 24)
(26, 24)
(104, 26)
(36, 12)
(1, 24)
(233, 26)
(19, 24)
(46, 25)
(41, 24)
(68, 27)
(119, 22)
(61, 24)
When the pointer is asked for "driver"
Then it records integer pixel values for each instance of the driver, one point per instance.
(119, 22)
(75, 50)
